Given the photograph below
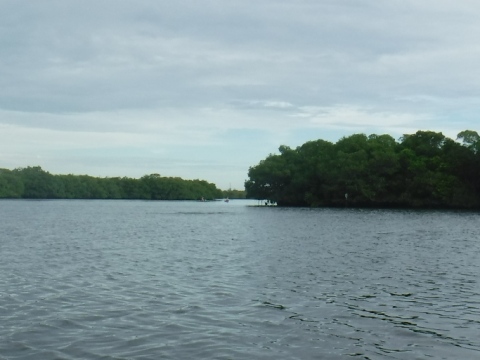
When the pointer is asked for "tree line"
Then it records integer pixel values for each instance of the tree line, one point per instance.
(35, 183)
(421, 170)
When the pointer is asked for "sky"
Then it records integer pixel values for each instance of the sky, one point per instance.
(205, 89)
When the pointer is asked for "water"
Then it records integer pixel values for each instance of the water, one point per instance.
(192, 280)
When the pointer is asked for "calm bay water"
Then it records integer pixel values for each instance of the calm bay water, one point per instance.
(192, 280)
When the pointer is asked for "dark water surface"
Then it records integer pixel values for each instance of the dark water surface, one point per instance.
(191, 280)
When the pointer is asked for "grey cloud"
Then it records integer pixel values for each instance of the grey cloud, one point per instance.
(90, 56)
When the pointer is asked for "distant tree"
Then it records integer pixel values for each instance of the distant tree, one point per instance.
(39, 184)
(233, 194)
(470, 139)
(11, 185)
(271, 177)
(35, 183)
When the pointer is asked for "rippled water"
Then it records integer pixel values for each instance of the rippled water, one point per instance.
(192, 280)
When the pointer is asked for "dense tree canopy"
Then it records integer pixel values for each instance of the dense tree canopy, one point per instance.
(425, 169)
(35, 183)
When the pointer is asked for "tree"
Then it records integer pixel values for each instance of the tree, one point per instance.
(470, 139)
(33, 182)
(11, 185)
(425, 169)
(424, 143)
(268, 178)
(39, 184)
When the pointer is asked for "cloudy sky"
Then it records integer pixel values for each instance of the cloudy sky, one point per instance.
(206, 88)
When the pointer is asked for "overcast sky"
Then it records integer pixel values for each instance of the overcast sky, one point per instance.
(206, 88)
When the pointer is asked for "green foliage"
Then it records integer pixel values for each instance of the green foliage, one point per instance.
(11, 185)
(470, 139)
(233, 194)
(424, 169)
(39, 184)
(35, 183)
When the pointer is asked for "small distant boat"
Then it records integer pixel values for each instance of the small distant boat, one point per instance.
(229, 192)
